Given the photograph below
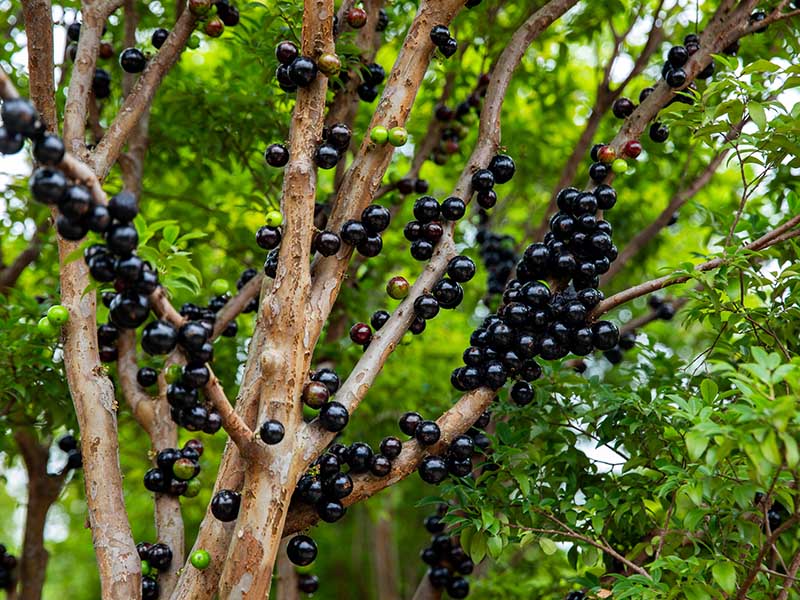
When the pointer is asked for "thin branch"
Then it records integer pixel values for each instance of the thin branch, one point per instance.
(10, 274)
(232, 423)
(140, 401)
(426, 591)
(648, 287)
(142, 94)
(790, 577)
(641, 239)
(7, 89)
(453, 422)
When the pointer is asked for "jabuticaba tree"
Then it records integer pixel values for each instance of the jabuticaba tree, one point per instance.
(535, 261)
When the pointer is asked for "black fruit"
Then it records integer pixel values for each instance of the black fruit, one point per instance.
(433, 470)
(333, 416)
(301, 550)
(503, 168)
(271, 432)
(132, 60)
(409, 422)
(159, 37)
(123, 207)
(225, 505)
(276, 155)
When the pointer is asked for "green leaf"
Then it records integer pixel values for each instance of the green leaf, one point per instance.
(757, 114)
(696, 443)
(725, 576)
(548, 546)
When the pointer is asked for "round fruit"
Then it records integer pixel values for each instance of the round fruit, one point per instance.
(360, 333)
(200, 559)
(433, 470)
(58, 314)
(398, 136)
(132, 60)
(146, 377)
(301, 550)
(409, 422)
(397, 288)
(503, 168)
(632, 148)
(606, 154)
(302, 71)
(48, 150)
(271, 432)
(184, 469)
(276, 155)
(619, 165)
(440, 35)
(333, 416)
(46, 328)
(379, 134)
(225, 505)
(453, 208)
(356, 17)
(159, 37)
(427, 433)
(286, 52)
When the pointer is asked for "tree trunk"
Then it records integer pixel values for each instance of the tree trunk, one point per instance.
(385, 561)
(287, 577)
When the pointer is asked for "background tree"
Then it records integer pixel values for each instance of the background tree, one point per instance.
(665, 466)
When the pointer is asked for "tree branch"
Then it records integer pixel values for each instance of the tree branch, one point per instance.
(10, 274)
(7, 89)
(141, 402)
(234, 307)
(141, 96)
(39, 33)
(641, 239)
(232, 423)
(453, 422)
(775, 236)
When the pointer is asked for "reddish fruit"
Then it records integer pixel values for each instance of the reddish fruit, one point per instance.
(356, 17)
(315, 394)
(360, 333)
(215, 27)
(397, 288)
(632, 149)
(606, 154)
(106, 50)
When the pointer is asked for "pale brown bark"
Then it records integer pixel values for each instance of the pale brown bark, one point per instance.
(11, 273)
(453, 422)
(39, 33)
(7, 88)
(287, 580)
(138, 101)
(425, 591)
(385, 559)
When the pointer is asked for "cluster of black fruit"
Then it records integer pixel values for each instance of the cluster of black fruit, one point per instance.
(447, 561)
(365, 233)
(335, 141)
(153, 556)
(101, 81)
(324, 486)
(307, 583)
(8, 563)
(457, 458)
(458, 121)
(776, 513)
(675, 76)
(497, 253)
(176, 471)
(78, 211)
(409, 185)
(69, 445)
(535, 321)
(441, 38)
(372, 75)
(425, 231)
(294, 70)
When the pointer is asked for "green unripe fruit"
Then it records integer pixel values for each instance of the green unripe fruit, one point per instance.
(193, 43)
(46, 328)
(619, 166)
(379, 134)
(219, 287)
(200, 559)
(398, 136)
(146, 568)
(173, 373)
(274, 218)
(47, 353)
(397, 288)
(193, 487)
(184, 469)
(57, 314)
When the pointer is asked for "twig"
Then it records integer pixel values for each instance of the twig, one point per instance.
(10, 274)
(453, 422)
(232, 423)
(141, 96)
(7, 89)
(648, 287)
